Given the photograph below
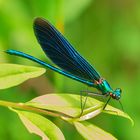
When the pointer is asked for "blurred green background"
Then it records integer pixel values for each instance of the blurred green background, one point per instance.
(106, 33)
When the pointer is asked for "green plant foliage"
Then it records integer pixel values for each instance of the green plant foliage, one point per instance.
(40, 125)
(91, 132)
(12, 74)
(67, 107)
(69, 104)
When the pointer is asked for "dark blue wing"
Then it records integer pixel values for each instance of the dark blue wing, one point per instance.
(60, 51)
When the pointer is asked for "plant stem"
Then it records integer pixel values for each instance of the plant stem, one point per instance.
(22, 106)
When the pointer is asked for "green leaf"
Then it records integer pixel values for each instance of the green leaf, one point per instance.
(40, 126)
(12, 74)
(92, 132)
(114, 111)
(69, 104)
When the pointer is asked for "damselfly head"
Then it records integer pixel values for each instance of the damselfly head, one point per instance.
(117, 93)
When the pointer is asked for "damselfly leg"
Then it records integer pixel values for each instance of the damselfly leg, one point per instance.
(88, 93)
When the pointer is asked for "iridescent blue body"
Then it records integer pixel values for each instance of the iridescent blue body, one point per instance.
(72, 64)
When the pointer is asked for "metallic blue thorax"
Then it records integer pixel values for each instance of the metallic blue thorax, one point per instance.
(104, 87)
